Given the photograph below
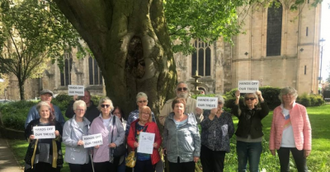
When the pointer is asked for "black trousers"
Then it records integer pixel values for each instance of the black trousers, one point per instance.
(43, 167)
(106, 166)
(212, 161)
(298, 156)
(182, 166)
(80, 167)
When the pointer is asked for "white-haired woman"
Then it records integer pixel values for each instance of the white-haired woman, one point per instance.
(113, 135)
(217, 129)
(74, 129)
(141, 100)
(249, 129)
(44, 154)
(291, 131)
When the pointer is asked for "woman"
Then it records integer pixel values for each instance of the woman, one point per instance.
(113, 135)
(291, 131)
(141, 100)
(74, 129)
(217, 129)
(249, 129)
(144, 162)
(120, 114)
(181, 139)
(44, 154)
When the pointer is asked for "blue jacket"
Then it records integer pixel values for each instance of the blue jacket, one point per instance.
(72, 133)
(34, 114)
(183, 142)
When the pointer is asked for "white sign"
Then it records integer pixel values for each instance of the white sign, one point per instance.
(44, 132)
(146, 143)
(207, 102)
(248, 86)
(92, 140)
(76, 90)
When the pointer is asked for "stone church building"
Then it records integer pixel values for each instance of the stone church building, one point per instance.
(278, 47)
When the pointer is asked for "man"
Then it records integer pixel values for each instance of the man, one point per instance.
(45, 95)
(182, 91)
(91, 113)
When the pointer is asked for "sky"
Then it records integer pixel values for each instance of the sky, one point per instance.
(325, 34)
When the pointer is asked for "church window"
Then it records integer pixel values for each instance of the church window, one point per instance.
(66, 72)
(274, 30)
(95, 75)
(201, 59)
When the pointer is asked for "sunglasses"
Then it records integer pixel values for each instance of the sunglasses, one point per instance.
(105, 106)
(219, 103)
(142, 101)
(182, 89)
(251, 98)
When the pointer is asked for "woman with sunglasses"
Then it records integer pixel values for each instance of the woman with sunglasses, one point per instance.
(113, 135)
(217, 129)
(141, 100)
(249, 129)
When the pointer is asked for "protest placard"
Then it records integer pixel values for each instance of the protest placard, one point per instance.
(248, 86)
(207, 102)
(44, 132)
(76, 90)
(92, 140)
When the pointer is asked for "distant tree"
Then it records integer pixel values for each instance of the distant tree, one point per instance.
(3, 83)
(32, 33)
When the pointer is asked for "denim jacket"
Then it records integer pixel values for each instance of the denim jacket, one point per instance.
(72, 133)
(183, 142)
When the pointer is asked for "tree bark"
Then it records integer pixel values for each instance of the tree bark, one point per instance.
(131, 44)
(21, 88)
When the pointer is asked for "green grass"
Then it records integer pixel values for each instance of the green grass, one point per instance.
(318, 161)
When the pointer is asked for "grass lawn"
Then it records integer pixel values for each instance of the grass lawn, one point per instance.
(318, 161)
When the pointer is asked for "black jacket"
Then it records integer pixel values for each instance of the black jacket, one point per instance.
(250, 120)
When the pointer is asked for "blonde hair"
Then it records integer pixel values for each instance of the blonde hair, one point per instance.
(147, 110)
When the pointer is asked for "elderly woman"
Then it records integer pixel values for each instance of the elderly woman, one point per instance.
(120, 114)
(181, 139)
(291, 131)
(74, 129)
(113, 136)
(217, 129)
(44, 154)
(145, 162)
(249, 129)
(141, 100)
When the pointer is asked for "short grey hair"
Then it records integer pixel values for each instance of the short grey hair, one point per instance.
(79, 103)
(182, 82)
(220, 98)
(288, 90)
(141, 94)
(105, 99)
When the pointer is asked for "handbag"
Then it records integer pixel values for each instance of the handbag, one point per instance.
(121, 149)
(131, 159)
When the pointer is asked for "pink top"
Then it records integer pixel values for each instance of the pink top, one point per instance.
(301, 126)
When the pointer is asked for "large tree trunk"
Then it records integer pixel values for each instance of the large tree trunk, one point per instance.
(130, 42)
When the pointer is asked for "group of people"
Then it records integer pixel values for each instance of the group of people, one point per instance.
(182, 143)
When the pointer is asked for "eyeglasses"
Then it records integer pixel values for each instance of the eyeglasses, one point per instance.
(80, 110)
(219, 103)
(142, 101)
(105, 106)
(182, 89)
(249, 98)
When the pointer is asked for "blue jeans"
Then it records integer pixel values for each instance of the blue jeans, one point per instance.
(248, 152)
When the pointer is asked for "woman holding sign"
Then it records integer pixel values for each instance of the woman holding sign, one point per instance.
(113, 136)
(181, 139)
(145, 162)
(74, 129)
(217, 129)
(249, 129)
(44, 152)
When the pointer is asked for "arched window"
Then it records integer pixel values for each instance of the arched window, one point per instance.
(66, 72)
(201, 59)
(95, 75)
(274, 29)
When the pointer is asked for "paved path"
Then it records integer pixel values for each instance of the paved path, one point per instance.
(8, 162)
